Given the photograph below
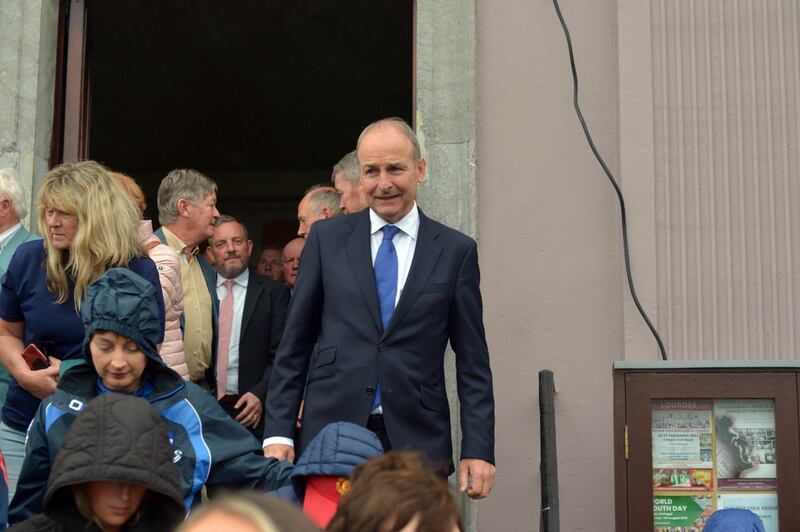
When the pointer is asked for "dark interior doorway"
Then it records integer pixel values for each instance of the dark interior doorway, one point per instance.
(264, 97)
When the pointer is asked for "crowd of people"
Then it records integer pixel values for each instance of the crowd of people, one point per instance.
(154, 376)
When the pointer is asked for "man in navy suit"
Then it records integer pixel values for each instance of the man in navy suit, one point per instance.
(381, 292)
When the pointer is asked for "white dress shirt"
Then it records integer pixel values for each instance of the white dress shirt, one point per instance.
(239, 293)
(405, 242)
(7, 235)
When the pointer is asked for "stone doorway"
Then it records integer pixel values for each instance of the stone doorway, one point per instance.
(263, 97)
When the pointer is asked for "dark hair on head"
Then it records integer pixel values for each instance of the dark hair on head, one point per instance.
(390, 491)
(226, 219)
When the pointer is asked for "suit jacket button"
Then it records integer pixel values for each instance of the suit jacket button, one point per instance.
(381, 347)
(370, 390)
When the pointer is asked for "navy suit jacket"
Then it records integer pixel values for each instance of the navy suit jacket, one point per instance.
(335, 304)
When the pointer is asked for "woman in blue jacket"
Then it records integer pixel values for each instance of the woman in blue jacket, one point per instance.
(121, 321)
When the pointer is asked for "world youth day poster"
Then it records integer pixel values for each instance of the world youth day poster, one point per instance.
(745, 444)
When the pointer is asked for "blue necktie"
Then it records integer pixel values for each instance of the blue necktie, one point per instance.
(386, 283)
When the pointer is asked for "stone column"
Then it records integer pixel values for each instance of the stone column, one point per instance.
(445, 123)
(27, 84)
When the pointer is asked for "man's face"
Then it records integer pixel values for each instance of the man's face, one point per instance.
(307, 214)
(389, 176)
(291, 260)
(201, 218)
(351, 198)
(270, 264)
(230, 249)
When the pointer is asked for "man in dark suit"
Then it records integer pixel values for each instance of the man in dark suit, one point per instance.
(252, 314)
(381, 292)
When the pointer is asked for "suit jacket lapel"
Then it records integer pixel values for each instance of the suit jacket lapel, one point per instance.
(252, 295)
(426, 255)
(360, 255)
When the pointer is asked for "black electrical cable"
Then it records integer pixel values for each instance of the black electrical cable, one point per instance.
(610, 178)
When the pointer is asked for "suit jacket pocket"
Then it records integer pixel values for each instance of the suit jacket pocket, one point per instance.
(434, 288)
(325, 357)
(435, 400)
(323, 365)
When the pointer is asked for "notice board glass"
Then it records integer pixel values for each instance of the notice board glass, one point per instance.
(712, 454)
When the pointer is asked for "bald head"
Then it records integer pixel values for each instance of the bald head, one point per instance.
(319, 203)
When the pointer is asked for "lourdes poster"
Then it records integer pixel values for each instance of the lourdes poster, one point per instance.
(709, 455)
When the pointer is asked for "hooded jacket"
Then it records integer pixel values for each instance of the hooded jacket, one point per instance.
(117, 438)
(334, 452)
(734, 520)
(208, 446)
(169, 273)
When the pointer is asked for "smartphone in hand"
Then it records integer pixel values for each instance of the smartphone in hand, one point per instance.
(35, 359)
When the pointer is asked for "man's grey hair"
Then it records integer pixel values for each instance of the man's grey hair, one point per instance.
(348, 167)
(190, 185)
(11, 189)
(225, 219)
(321, 196)
(400, 124)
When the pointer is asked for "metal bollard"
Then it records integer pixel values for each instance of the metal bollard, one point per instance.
(548, 464)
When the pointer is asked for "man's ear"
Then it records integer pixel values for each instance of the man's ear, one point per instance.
(326, 212)
(5, 206)
(422, 169)
(183, 207)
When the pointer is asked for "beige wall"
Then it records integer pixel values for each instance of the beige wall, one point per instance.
(696, 106)
(549, 250)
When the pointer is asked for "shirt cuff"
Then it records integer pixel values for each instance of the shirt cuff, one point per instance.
(278, 440)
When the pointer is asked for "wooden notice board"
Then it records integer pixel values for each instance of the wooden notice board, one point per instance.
(694, 437)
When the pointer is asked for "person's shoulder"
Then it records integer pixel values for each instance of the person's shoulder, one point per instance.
(266, 283)
(194, 394)
(142, 265)
(31, 250)
(342, 222)
(37, 523)
(447, 233)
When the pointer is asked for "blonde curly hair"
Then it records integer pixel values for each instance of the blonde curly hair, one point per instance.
(107, 234)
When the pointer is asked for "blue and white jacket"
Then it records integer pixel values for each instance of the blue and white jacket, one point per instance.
(209, 446)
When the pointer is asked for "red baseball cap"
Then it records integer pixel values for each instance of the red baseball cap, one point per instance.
(322, 498)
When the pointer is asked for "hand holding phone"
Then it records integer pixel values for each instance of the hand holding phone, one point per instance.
(35, 359)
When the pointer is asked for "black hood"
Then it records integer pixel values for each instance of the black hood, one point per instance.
(117, 438)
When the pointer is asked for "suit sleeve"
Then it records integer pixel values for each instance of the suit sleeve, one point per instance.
(32, 483)
(473, 374)
(279, 305)
(288, 378)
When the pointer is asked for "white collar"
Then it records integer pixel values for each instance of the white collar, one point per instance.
(241, 279)
(8, 234)
(409, 224)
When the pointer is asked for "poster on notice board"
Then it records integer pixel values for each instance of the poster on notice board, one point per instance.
(745, 444)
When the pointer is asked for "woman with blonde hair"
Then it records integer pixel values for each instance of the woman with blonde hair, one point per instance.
(89, 225)
(169, 271)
